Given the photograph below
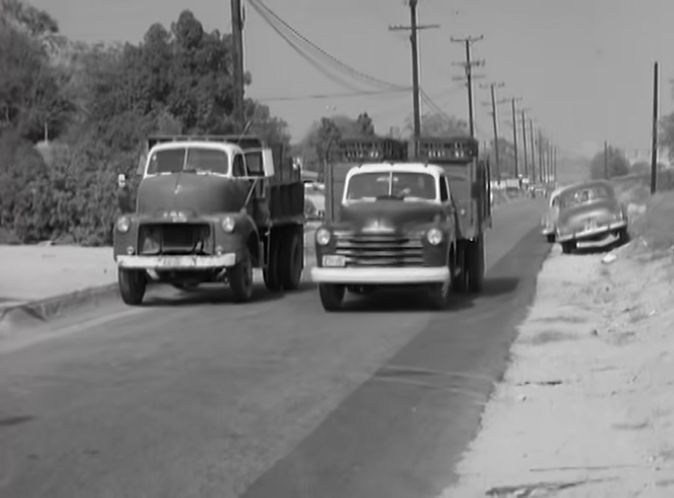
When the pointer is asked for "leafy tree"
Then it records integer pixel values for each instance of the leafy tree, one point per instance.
(439, 125)
(98, 103)
(667, 133)
(319, 143)
(616, 165)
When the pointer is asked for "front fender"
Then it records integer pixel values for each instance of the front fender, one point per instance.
(237, 240)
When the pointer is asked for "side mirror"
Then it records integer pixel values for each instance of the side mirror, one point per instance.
(268, 162)
(140, 169)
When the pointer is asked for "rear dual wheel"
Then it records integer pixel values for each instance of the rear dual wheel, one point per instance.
(471, 263)
(286, 259)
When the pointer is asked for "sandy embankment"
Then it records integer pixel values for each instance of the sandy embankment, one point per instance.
(586, 407)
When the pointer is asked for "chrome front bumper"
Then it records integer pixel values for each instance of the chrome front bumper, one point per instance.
(176, 262)
(592, 232)
(381, 276)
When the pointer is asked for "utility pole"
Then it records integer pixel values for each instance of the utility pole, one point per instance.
(512, 101)
(524, 144)
(492, 87)
(654, 138)
(533, 149)
(605, 159)
(414, 28)
(541, 164)
(468, 65)
(237, 61)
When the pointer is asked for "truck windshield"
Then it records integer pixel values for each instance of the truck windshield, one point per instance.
(403, 186)
(199, 160)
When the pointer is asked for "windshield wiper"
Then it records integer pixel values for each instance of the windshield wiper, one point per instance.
(390, 197)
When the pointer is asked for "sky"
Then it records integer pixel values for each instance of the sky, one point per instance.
(583, 68)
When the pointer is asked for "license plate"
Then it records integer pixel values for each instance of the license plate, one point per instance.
(334, 260)
(175, 261)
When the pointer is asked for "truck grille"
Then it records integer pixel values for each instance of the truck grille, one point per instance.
(174, 238)
(380, 250)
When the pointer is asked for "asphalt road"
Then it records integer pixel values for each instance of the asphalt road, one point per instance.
(192, 396)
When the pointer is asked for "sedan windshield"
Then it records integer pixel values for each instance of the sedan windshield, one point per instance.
(199, 160)
(403, 186)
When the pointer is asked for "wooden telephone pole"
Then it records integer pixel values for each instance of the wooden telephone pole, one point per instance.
(524, 144)
(492, 87)
(414, 28)
(654, 138)
(468, 65)
(237, 61)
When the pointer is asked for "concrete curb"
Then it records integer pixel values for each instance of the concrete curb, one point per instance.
(44, 310)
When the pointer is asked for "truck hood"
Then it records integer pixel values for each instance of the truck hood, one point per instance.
(393, 215)
(190, 193)
(602, 210)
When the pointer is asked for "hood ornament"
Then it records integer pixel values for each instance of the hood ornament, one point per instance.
(377, 226)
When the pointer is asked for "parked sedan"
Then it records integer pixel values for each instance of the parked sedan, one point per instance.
(549, 219)
(589, 212)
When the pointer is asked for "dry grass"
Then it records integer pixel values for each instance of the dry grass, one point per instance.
(656, 225)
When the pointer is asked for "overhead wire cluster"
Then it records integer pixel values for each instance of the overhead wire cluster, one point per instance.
(329, 65)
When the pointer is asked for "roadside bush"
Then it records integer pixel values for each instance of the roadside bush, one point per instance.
(656, 225)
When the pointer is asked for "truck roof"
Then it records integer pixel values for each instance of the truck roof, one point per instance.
(407, 167)
(226, 146)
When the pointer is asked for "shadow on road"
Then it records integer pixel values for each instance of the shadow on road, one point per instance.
(164, 295)
(414, 299)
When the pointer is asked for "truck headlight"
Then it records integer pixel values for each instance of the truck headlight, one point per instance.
(434, 236)
(228, 223)
(123, 224)
(323, 236)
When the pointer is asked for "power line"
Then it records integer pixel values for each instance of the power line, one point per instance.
(262, 9)
(298, 49)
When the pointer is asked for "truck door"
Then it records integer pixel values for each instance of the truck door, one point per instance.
(447, 201)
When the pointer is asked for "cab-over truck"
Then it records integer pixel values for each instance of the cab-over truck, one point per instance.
(210, 209)
(404, 215)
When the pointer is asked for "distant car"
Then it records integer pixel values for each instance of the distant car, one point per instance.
(589, 212)
(549, 219)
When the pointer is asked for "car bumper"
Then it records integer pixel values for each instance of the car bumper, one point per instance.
(175, 262)
(381, 276)
(592, 233)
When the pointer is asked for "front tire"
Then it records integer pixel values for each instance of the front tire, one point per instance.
(240, 278)
(460, 279)
(623, 236)
(438, 295)
(550, 238)
(568, 247)
(332, 296)
(132, 285)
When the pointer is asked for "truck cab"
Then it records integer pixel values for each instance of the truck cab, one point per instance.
(397, 226)
(395, 221)
(207, 209)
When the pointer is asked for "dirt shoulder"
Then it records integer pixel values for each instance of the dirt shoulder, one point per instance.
(585, 408)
